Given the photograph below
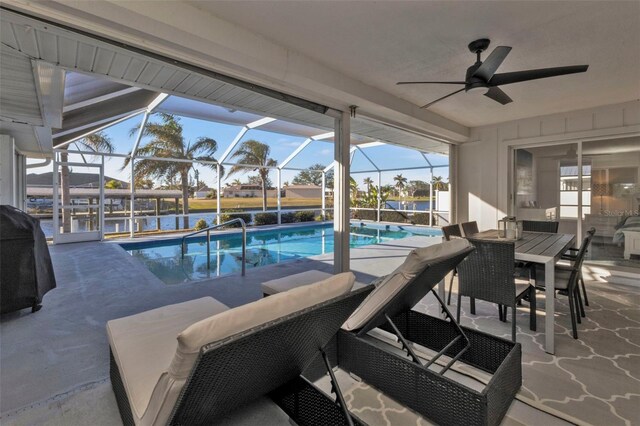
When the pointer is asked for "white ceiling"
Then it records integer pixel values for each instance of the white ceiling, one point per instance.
(381, 43)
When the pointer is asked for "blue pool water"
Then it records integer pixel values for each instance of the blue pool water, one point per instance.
(264, 247)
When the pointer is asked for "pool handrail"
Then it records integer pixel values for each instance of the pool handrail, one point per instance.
(208, 231)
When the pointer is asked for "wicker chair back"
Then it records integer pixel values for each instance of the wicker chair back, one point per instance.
(470, 228)
(540, 226)
(245, 366)
(451, 231)
(488, 273)
(415, 290)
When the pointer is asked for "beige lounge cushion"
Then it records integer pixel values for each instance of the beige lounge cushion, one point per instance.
(293, 281)
(297, 280)
(144, 344)
(251, 315)
(393, 283)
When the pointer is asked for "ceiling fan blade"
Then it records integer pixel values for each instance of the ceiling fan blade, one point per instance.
(498, 95)
(491, 63)
(439, 99)
(519, 76)
(430, 82)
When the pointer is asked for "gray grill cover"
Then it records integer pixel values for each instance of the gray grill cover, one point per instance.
(26, 272)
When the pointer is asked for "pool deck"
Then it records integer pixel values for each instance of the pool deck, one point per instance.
(64, 346)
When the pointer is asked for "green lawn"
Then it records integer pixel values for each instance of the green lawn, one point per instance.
(196, 206)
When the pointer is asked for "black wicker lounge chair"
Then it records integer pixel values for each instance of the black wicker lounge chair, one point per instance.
(448, 232)
(421, 386)
(267, 359)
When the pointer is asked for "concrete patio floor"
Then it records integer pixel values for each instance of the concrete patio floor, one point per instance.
(64, 345)
(55, 363)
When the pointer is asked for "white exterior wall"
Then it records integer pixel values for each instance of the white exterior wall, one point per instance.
(483, 173)
(8, 184)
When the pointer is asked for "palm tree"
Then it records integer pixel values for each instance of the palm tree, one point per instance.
(254, 153)
(353, 189)
(438, 183)
(401, 183)
(167, 142)
(368, 182)
(236, 182)
(96, 142)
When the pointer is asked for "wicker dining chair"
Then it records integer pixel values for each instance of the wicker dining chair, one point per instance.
(448, 232)
(540, 226)
(470, 228)
(489, 274)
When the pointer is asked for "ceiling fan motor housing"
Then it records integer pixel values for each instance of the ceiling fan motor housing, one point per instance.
(474, 84)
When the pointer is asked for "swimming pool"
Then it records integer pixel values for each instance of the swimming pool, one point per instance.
(264, 247)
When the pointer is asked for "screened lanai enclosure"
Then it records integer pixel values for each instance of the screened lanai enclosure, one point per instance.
(123, 177)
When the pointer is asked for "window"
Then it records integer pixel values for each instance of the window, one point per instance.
(569, 187)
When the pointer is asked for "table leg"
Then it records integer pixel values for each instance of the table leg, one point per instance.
(442, 290)
(550, 308)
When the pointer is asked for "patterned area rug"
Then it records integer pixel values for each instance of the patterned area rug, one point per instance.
(592, 380)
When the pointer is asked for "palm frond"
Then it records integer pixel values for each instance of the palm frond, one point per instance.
(98, 141)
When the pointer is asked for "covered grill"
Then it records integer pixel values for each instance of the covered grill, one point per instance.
(26, 271)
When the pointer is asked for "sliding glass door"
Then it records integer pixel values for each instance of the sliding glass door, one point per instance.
(547, 185)
(614, 197)
(584, 185)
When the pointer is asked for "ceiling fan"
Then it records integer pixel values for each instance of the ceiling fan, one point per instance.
(482, 77)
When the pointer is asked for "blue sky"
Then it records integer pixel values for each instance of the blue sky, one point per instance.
(387, 156)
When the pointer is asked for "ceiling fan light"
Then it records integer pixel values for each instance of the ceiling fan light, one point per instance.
(479, 89)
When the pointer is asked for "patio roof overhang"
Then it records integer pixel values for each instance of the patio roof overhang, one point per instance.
(130, 77)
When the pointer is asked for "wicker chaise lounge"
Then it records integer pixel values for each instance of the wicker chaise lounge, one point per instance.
(193, 362)
(423, 386)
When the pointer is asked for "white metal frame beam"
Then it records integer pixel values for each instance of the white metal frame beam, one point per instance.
(98, 99)
(302, 146)
(98, 129)
(241, 133)
(157, 102)
(293, 155)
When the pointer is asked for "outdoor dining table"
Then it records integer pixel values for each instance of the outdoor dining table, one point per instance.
(543, 248)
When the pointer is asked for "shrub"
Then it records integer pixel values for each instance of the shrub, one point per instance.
(393, 216)
(288, 217)
(421, 218)
(200, 224)
(265, 219)
(365, 214)
(228, 215)
(307, 216)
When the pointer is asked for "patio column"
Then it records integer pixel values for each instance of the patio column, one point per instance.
(379, 195)
(431, 199)
(157, 214)
(218, 191)
(133, 196)
(453, 184)
(278, 195)
(342, 157)
(323, 210)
